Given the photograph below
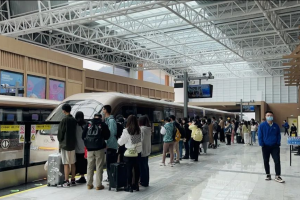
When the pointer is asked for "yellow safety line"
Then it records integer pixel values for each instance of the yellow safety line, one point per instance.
(9, 195)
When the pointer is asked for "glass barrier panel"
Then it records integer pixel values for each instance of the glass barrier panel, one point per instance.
(156, 136)
(43, 141)
(12, 145)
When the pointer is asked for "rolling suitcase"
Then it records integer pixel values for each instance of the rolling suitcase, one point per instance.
(118, 176)
(55, 175)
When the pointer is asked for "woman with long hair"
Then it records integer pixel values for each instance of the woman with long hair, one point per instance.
(228, 132)
(246, 133)
(145, 127)
(233, 131)
(81, 162)
(205, 132)
(132, 139)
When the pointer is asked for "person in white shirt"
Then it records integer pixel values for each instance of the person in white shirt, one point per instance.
(253, 132)
(132, 139)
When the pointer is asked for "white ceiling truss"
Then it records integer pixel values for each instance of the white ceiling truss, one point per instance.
(242, 38)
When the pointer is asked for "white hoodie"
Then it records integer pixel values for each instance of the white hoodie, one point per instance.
(146, 140)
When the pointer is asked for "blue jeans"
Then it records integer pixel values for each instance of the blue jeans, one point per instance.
(180, 148)
(253, 134)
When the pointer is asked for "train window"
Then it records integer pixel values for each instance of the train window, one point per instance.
(169, 111)
(1, 115)
(179, 114)
(34, 117)
(10, 115)
(157, 116)
(129, 110)
(88, 107)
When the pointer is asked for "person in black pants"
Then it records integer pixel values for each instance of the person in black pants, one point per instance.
(188, 133)
(269, 139)
(228, 132)
(196, 145)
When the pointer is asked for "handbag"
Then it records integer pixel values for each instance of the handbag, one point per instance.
(132, 152)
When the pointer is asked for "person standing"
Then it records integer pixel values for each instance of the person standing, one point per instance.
(81, 162)
(205, 133)
(112, 144)
(167, 131)
(294, 130)
(145, 127)
(215, 131)
(187, 139)
(228, 132)
(132, 139)
(286, 127)
(233, 131)
(253, 132)
(94, 135)
(67, 141)
(222, 133)
(210, 133)
(245, 130)
(269, 139)
(194, 142)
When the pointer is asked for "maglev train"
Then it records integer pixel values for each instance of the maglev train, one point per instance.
(124, 104)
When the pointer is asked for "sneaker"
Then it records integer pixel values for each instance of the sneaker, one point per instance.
(81, 180)
(268, 178)
(171, 164)
(101, 187)
(73, 182)
(66, 184)
(279, 179)
(89, 187)
(162, 164)
(177, 161)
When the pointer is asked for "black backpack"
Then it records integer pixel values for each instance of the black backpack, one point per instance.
(119, 130)
(93, 139)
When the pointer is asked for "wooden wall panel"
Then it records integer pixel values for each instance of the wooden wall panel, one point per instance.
(131, 89)
(112, 87)
(152, 93)
(123, 88)
(145, 92)
(158, 94)
(57, 70)
(171, 96)
(138, 91)
(164, 95)
(73, 88)
(75, 74)
(89, 82)
(101, 85)
(37, 66)
(11, 60)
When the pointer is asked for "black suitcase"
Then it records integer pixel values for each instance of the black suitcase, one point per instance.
(239, 139)
(118, 176)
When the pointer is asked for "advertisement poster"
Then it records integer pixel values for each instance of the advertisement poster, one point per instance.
(57, 90)
(36, 87)
(10, 78)
(21, 133)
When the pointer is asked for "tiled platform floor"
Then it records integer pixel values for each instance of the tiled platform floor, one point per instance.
(230, 172)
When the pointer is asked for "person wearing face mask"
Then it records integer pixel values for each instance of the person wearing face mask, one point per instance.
(294, 130)
(269, 139)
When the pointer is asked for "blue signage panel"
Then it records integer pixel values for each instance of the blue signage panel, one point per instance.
(10, 78)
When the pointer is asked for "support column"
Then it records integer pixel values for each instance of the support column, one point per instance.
(186, 100)
(140, 73)
(167, 79)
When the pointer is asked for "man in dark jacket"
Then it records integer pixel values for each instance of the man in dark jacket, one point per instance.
(67, 141)
(96, 154)
(215, 131)
(269, 138)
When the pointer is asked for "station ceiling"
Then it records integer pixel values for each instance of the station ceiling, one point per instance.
(231, 39)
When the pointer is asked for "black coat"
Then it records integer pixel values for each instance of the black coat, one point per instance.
(188, 132)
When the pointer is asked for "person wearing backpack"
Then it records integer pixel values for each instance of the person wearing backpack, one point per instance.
(120, 126)
(177, 136)
(112, 144)
(196, 139)
(81, 162)
(94, 135)
(286, 127)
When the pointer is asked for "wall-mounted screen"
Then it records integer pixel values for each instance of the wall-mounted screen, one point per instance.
(200, 91)
(10, 78)
(248, 108)
(57, 90)
(36, 87)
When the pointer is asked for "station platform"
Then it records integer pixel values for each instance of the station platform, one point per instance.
(227, 173)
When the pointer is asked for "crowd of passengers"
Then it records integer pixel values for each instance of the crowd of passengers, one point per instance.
(119, 135)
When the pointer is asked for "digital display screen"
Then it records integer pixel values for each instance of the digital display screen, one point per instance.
(57, 90)
(10, 117)
(10, 79)
(200, 91)
(36, 87)
(248, 108)
(35, 117)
